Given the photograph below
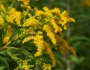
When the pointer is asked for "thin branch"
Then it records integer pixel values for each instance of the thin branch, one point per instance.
(68, 35)
(5, 45)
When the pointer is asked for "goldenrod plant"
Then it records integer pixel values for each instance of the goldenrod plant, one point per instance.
(22, 30)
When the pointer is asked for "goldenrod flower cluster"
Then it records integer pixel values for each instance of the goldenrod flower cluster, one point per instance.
(13, 16)
(24, 65)
(50, 53)
(49, 32)
(63, 46)
(1, 20)
(46, 66)
(42, 28)
(39, 45)
(30, 23)
(8, 34)
(2, 8)
(25, 2)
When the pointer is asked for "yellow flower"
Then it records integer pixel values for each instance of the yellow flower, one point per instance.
(13, 16)
(1, 20)
(65, 19)
(46, 13)
(65, 16)
(56, 11)
(50, 34)
(27, 39)
(25, 2)
(6, 39)
(18, 18)
(45, 9)
(49, 52)
(10, 15)
(2, 7)
(55, 26)
(38, 40)
(28, 8)
(72, 20)
(35, 9)
(39, 13)
(9, 19)
(8, 34)
(46, 66)
(23, 64)
(63, 46)
(31, 22)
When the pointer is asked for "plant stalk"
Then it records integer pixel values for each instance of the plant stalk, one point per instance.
(68, 35)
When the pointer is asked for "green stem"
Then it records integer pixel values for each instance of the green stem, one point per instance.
(68, 35)
(8, 43)
(5, 45)
(12, 3)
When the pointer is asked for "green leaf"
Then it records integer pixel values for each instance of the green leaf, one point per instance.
(77, 60)
(79, 38)
(58, 56)
(3, 1)
(0, 37)
(76, 44)
(14, 33)
(59, 63)
(81, 59)
(74, 59)
(2, 67)
(27, 53)
(12, 48)
(6, 63)
(82, 16)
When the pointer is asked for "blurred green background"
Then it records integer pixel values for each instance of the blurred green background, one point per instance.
(77, 34)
